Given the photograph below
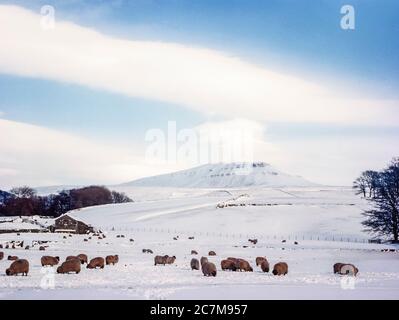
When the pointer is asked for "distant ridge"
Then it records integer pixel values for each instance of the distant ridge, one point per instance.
(224, 175)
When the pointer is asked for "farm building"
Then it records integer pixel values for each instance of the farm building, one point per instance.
(68, 224)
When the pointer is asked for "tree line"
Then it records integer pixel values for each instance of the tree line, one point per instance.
(381, 189)
(24, 201)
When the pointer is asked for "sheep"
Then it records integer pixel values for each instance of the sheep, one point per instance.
(160, 260)
(1, 255)
(194, 252)
(228, 265)
(83, 258)
(112, 259)
(18, 266)
(147, 251)
(49, 261)
(259, 260)
(96, 262)
(211, 253)
(349, 269)
(209, 269)
(265, 266)
(244, 265)
(12, 258)
(68, 266)
(203, 260)
(280, 268)
(194, 264)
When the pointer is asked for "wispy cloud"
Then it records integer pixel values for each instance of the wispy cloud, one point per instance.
(197, 78)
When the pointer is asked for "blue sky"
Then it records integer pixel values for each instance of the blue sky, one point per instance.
(299, 38)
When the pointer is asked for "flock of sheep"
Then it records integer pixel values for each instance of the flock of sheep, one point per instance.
(73, 263)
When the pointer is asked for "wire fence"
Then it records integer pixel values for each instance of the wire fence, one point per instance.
(188, 233)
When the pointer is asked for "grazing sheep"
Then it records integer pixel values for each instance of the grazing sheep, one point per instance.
(209, 269)
(42, 248)
(228, 265)
(194, 264)
(211, 253)
(49, 261)
(280, 268)
(18, 266)
(1, 255)
(259, 260)
(160, 260)
(170, 260)
(203, 260)
(194, 252)
(112, 259)
(337, 267)
(96, 262)
(12, 258)
(265, 266)
(244, 265)
(349, 269)
(69, 266)
(83, 258)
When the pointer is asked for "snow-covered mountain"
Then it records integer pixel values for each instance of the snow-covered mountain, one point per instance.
(222, 175)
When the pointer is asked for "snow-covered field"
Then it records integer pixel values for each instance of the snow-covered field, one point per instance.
(329, 216)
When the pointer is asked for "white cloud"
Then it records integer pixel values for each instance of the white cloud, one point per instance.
(197, 78)
(39, 156)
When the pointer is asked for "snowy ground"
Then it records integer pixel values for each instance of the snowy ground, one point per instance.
(296, 213)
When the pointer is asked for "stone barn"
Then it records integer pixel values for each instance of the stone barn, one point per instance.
(68, 224)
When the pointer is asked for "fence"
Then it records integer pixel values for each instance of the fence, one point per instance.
(291, 237)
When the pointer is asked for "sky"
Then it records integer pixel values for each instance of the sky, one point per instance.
(94, 97)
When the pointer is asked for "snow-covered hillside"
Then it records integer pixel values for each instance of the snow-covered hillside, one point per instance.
(222, 175)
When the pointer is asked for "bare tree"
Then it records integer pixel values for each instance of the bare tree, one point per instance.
(23, 192)
(383, 218)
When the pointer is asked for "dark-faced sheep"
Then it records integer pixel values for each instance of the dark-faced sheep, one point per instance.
(72, 265)
(160, 260)
(212, 253)
(244, 266)
(194, 264)
(83, 258)
(17, 267)
(228, 265)
(49, 261)
(12, 258)
(203, 260)
(95, 263)
(280, 268)
(209, 269)
(112, 259)
(259, 260)
(194, 252)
